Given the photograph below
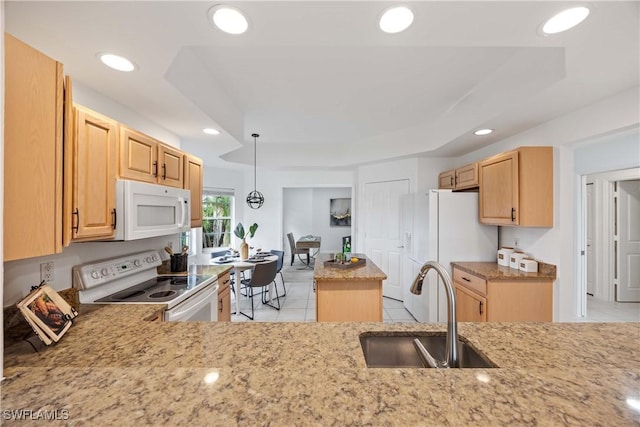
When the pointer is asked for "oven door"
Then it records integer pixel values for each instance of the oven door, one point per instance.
(203, 307)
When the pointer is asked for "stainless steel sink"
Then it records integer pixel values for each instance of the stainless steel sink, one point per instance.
(398, 350)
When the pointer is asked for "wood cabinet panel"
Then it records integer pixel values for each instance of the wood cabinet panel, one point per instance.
(193, 182)
(447, 180)
(349, 301)
(499, 189)
(467, 176)
(138, 156)
(33, 132)
(171, 164)
(501, 300)
(471, 307)
(94, 175)
(462, 178)
(516, 188)
(224, 298)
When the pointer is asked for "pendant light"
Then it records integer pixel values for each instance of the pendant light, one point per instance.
(255, 199)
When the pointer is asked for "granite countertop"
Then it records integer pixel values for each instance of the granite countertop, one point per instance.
(369, 271)
(112, 368)
(493, 271)
(213, 270)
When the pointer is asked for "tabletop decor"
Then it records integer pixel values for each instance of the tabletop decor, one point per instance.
(240, 234)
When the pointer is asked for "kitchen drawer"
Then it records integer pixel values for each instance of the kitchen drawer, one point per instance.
(470, 281)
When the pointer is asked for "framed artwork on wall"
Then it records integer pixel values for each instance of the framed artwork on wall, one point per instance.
(340, 212)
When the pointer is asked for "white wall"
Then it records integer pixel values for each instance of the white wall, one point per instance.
(271, 184)
(306, 211)
(558, 245)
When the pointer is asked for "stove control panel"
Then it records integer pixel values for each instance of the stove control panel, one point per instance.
(94, 274)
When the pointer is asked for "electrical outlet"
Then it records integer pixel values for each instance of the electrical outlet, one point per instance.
(516, 242)
(170, 244)
(46, 272)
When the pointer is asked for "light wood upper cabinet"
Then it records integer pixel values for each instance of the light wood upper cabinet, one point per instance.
(93, 156)
(193, 182)
(461, 178)
(33, 135)
(467, 176)
(146, 159)
(516, 188)
(171, 162)
(447, 180)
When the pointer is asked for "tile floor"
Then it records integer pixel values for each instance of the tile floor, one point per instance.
(299, 305)
(611, 311)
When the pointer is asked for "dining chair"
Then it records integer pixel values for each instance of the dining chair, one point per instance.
(280, 263)
(262, 275)
(298, 251)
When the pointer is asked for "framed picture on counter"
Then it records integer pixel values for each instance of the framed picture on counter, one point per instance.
(48, 313)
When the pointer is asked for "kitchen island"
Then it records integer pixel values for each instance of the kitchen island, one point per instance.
(348, 294)
(113, 368)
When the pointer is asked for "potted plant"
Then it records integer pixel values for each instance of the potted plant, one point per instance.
(240, 234)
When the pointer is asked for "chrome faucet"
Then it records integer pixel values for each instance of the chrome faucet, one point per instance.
(451, 355)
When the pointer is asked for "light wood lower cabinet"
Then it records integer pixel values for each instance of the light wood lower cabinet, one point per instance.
(224, 298)
(33, 129)
(471, 307)
(480, 300)
(349, 300)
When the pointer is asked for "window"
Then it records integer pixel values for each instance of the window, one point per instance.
(217, 219)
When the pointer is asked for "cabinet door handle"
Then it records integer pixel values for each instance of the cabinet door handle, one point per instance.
(480, 307)
(451, 177)
(220, 309)
(225, 282)
(513, 214)
(155, 168)
(77, 226)
(115, 218)
(164, 171)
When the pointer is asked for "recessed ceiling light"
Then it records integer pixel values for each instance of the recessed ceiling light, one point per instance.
(116, 62)
(481, 132)
(229, 19)
(211, 131)
(566, 19)
(396, 19)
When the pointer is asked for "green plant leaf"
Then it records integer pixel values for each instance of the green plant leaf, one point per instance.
(252, 229)
(239, 231)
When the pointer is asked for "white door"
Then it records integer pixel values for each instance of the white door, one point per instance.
(384, 242)
(628, 241)
(591, 262)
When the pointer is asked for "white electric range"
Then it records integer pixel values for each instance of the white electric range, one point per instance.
(132, 279)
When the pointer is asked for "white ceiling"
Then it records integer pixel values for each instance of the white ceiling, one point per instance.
(325, 87)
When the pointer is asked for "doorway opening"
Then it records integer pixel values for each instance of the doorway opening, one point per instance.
(610, 257)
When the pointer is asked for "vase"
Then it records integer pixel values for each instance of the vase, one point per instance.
(244, 250)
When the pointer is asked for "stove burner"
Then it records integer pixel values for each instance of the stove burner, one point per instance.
(162, 294)
(126, 295)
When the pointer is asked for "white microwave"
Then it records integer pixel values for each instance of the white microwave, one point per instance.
(149, 210)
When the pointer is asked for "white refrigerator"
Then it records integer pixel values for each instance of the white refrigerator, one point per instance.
(445, 229)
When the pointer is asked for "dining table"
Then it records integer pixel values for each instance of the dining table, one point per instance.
(239, 265)
(311, 243)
